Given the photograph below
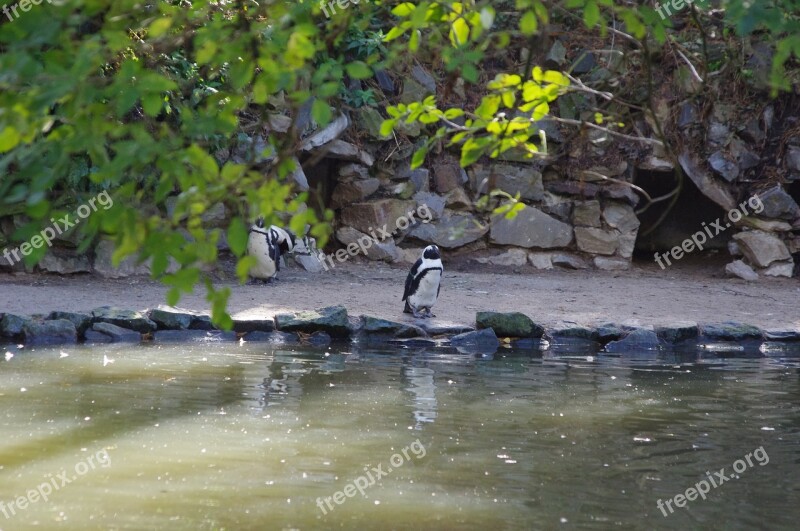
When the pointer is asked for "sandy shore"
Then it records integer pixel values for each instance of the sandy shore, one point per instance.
(646, 295)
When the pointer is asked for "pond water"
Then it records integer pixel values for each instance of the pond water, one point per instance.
(230, 436)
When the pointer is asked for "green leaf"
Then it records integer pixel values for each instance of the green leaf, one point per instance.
(459, 34)
(529, 24)
(419, 157)
(404, 9)
(394, 33)
(237, 236)
(321, 112)
(358, 70)
(152, 104)
(591, 14)
(387, 127)
(159, 27)
(9, 138)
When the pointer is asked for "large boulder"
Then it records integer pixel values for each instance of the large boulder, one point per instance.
(512, 324)
(12, 325)
(332, 320)
(530, 228)
(81, 321)
(55, 332)
(761, 248)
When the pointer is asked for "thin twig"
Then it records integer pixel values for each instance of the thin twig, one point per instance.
(646, 140)
(691, 66)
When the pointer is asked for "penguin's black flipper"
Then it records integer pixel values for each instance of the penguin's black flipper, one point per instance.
(410, 279)
(407, 309)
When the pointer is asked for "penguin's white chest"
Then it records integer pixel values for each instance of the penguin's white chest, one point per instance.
(257, 247)
(427, 291)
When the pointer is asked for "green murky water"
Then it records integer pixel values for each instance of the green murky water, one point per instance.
(232, 436)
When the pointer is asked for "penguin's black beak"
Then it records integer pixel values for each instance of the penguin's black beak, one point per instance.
(260, 223)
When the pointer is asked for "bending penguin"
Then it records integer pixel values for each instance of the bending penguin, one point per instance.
(267, 245)
(423, 283)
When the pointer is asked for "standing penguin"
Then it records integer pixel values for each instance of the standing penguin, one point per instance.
(423, 283)
(267, 245)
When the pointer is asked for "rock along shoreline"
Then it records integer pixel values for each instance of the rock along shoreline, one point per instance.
(321, 327)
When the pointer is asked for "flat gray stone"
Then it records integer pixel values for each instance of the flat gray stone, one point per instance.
(332, 320)
(373, 326)
(111, 334)
(168, 318)
(530, 228)
(780, 269)
(778, 204)
(130, 319)
(738, 268)
(510, 258)
(569, 261)
(610, 263)
(586, 214)
(452, 231)
(729, 331)
(621, 217)
(761, 248)
(596, 241)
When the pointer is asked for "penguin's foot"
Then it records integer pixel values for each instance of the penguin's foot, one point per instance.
(416, 313)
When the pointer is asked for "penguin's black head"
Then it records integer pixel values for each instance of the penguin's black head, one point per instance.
(431, 252)
(260, 223)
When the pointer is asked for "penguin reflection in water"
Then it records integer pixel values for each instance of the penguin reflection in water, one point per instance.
(267, 244)
(423, 283)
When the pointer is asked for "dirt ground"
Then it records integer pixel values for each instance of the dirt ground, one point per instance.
(645, 295)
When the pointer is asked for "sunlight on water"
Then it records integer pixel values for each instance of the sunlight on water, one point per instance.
(230, 436)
